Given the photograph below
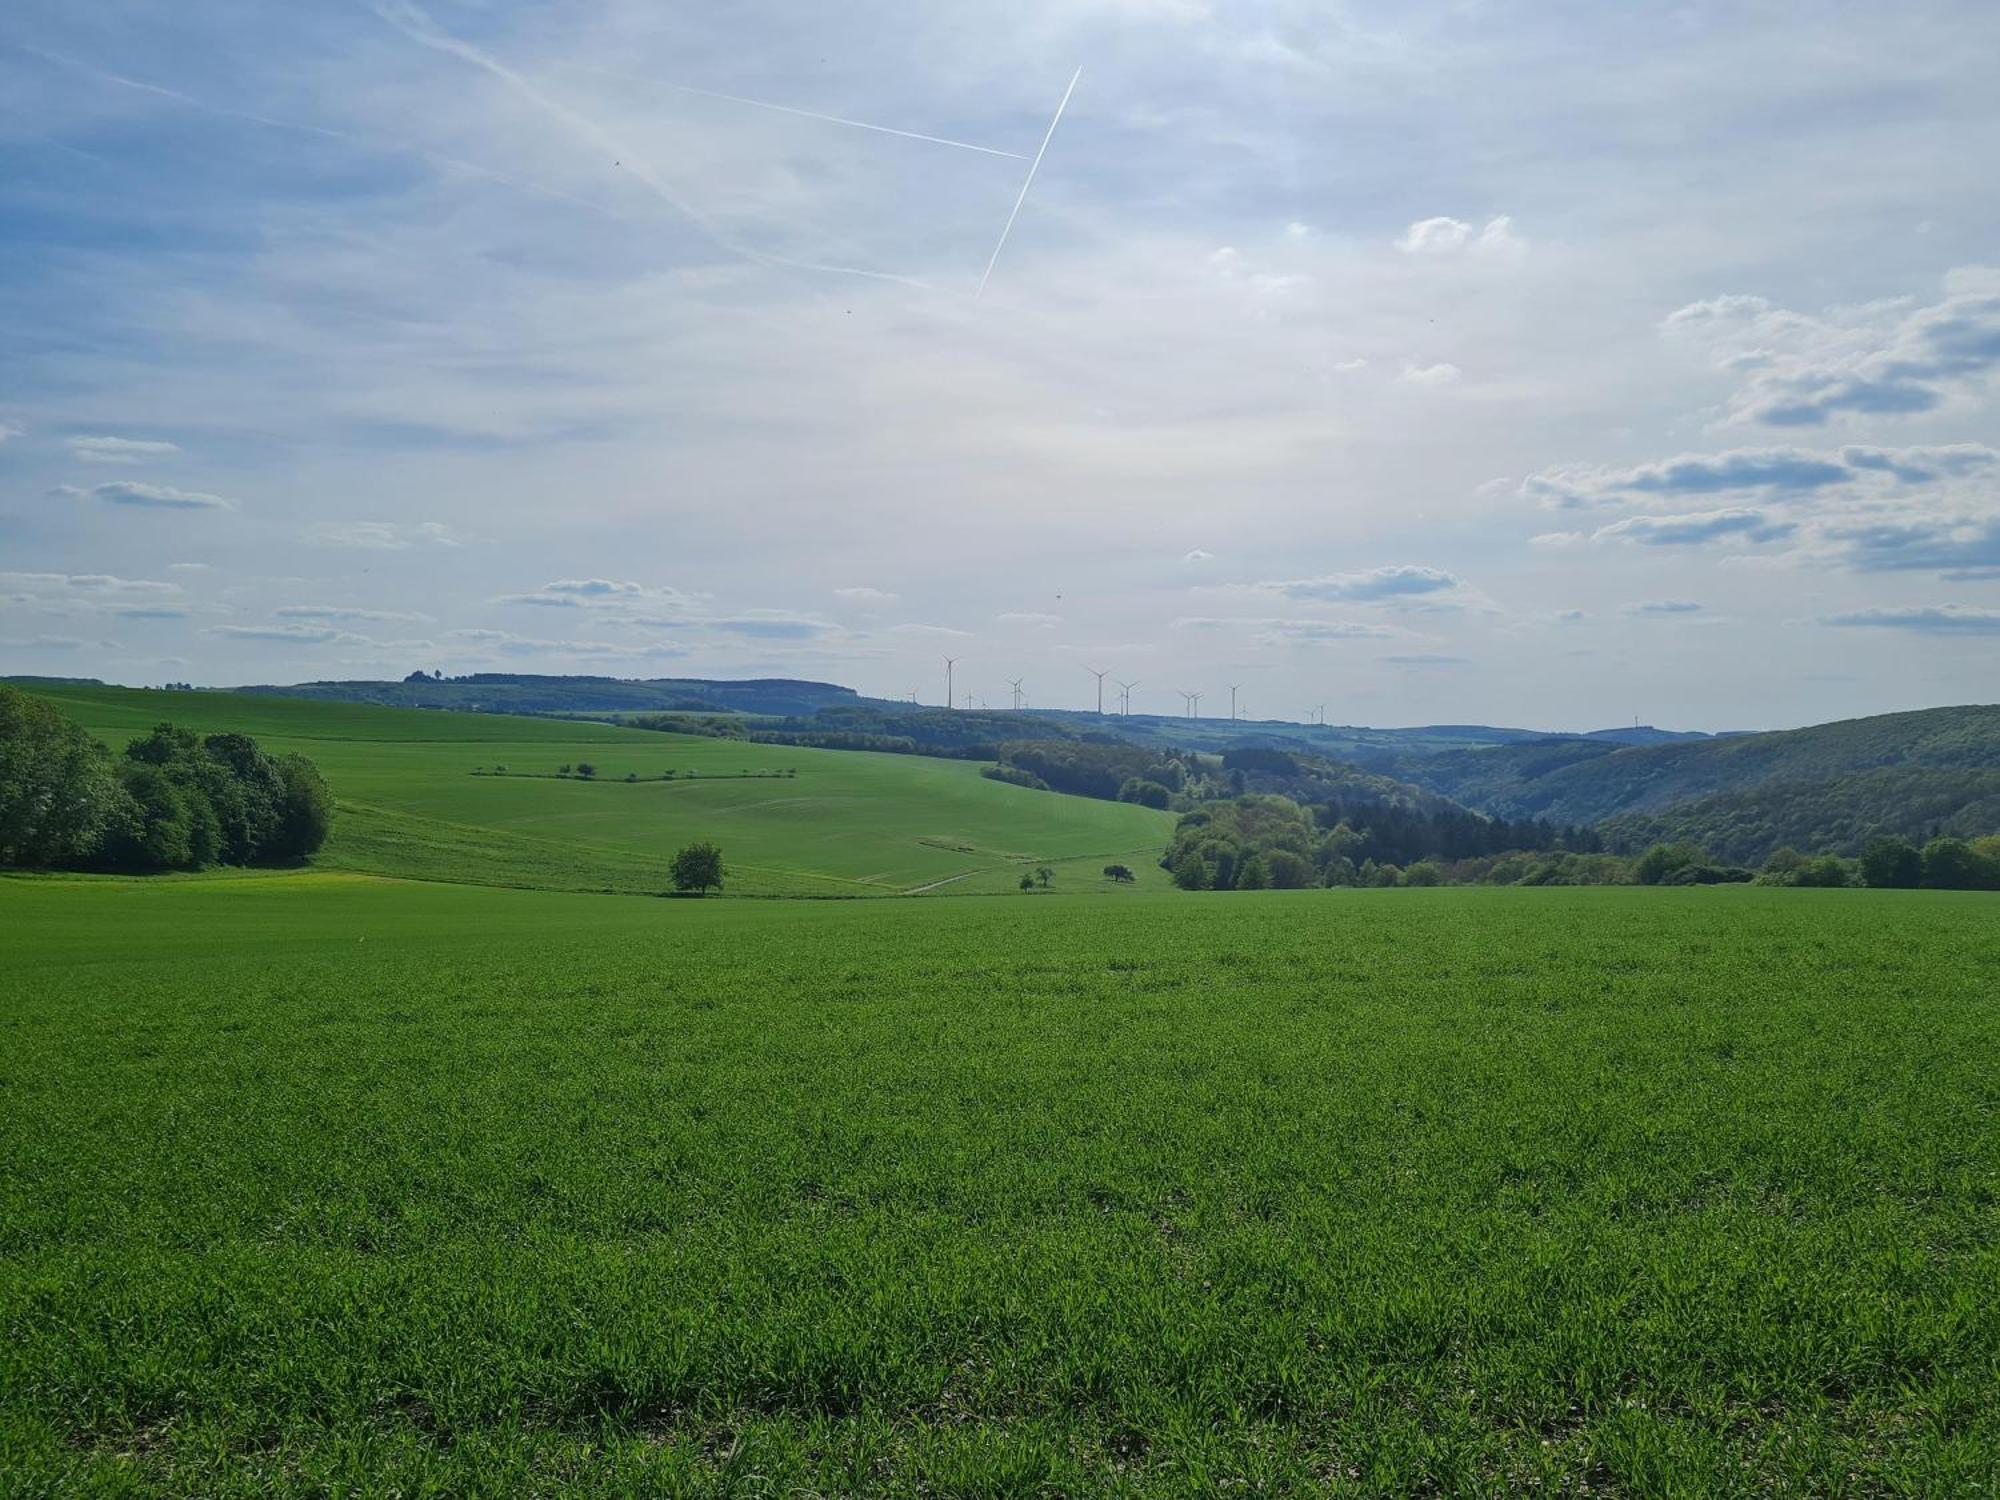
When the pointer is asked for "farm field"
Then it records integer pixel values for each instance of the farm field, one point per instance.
(320, 1183)
(846, 824)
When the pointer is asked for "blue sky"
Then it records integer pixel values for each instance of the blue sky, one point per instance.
(1543, 365)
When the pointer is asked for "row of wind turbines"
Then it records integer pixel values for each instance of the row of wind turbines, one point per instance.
(1190, 701)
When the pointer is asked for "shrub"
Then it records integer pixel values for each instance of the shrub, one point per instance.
(1662, 861)
(1954, 865)
(1014, 776)
(1892, 864)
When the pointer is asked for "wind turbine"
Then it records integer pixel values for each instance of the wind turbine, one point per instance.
(949, 663)
(1194, 704)
(1232, 700)
(1015, 684)
(1100, 687)
(1125, 697)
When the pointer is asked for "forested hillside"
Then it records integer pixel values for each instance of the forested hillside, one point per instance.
(1836, 815)
(1591, 781)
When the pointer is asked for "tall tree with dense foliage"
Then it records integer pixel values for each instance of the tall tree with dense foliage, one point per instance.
(57, 791)
(698, 868)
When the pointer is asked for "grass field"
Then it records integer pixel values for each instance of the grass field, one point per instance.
(847, 824)
(323, 1184)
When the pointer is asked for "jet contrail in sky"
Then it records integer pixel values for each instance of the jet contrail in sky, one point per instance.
(787, 109)
(1027, 183)
(327, 132)
(413, 22)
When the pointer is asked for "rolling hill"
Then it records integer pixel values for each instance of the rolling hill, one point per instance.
(1825, 787)
(791, 821)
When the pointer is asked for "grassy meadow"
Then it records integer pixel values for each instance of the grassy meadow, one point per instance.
(320, 1183)
(847, 824)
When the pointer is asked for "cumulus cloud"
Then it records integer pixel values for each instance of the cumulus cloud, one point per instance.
(1431, 375)
(1958, 549)
(146, 496)
(51, 643)
(1198, 555)
(346, 612)
(118, 450)
(1693, 530)
(1425, 660)
(605, 594)
(1443, 236)
(87, 589)
(293, 635)
(1400, 581)
(771, 625)
(1804, 370)
(506, 643)
(381, 536)
(1272, 631)
(1935, 619)
(1774, 473)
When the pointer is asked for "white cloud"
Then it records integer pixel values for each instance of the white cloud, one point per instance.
(1885, 361)
(1198, 555)
(1399, 581)
(347, 612)
(1028, 619)
(1444, 236)
(381, 536)
(1694, 529)
(292, 635)
(1935, 619)
(1431, 375)
(146, 496)
(1271, 631)
(1665, 607)
(862, 597)
(9, 431)
(943, 631)
(118, 450)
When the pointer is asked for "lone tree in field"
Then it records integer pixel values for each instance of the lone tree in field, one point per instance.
(1044, 876)
(585, 769)
(698, 868)
(1119, 873)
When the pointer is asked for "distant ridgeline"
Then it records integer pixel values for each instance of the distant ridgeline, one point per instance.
(527, 693)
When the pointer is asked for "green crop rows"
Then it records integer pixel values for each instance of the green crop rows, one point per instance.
(327, 1184)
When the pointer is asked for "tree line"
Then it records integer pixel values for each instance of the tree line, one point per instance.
(1274, 843)
(173, 801)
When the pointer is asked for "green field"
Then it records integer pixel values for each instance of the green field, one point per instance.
(846, 824)
(334, 1185)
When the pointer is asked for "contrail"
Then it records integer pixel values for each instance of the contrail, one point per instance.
(412, 21)
(1027, 183)
(326, 132)
(787, 109)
